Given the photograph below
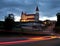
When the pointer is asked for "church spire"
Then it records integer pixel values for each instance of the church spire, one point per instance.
(22, 12)
(37, 9)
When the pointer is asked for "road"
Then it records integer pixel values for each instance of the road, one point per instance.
(53, 42)
(30, 41)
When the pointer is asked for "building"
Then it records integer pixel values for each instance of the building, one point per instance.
(31, 21)
(30, 17)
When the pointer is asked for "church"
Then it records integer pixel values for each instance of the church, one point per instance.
(31, 21)
(30, 17)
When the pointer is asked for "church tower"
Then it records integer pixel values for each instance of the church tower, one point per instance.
(37, 14)
(23, 17)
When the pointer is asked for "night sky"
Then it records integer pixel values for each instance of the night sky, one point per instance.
(47, 8)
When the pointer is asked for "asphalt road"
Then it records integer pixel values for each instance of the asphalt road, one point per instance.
(52, 42)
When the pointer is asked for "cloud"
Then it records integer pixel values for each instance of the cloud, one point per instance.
(17, 18)
(47, 8)
(48, 18)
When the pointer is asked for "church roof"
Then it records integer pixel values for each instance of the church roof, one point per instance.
(30, 14)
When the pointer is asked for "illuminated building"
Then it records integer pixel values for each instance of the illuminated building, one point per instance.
(30, 21)
(30, 17)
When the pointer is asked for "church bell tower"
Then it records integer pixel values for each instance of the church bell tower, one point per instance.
(37, 14)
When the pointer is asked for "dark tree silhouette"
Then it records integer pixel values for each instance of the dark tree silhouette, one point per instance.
(9, 22)
(57, 24)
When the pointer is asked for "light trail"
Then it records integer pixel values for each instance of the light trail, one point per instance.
(30, 39)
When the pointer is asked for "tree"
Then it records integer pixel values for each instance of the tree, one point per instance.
(9, 22)
(57, 24)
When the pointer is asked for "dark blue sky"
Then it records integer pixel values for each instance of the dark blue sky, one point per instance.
(47, 8)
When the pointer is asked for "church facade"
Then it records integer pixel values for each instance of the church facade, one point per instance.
(30, 17)
(31, 21)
